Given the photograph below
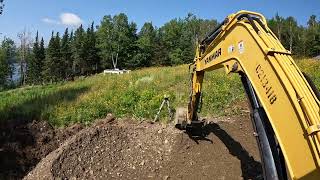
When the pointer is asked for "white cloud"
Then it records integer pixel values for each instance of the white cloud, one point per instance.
(67, 19)
(70, 19)
(50, 21)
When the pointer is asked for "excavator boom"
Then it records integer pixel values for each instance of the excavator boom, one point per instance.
(285, 107)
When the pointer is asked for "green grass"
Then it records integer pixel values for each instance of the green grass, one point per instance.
(138, 95)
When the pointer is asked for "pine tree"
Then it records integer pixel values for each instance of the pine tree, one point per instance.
(53, 67)
(66, 55)
(88, 61)
(47, 71)
(95, 50)
(79, 52)
(72, 61)
(146, 46)
(59, 66)
(92, 56)
(42, 58)
(32, 64)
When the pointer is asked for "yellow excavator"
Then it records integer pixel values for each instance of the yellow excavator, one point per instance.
(285, 104)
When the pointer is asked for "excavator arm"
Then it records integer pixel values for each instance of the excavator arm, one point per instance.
(285, 107)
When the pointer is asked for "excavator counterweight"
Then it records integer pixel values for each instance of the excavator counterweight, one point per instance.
(285, 105)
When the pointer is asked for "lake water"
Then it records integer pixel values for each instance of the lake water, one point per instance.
(16, 73)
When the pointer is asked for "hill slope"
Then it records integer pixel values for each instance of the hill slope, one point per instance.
(137, 95)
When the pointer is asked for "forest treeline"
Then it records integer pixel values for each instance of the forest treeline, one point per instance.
(116, 43)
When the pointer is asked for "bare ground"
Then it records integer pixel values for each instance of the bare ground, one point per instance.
(124, 149)
(23, 144)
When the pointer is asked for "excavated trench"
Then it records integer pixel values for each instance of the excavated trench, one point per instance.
(125, 149)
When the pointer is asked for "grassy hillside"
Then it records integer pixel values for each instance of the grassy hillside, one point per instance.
(136, 95)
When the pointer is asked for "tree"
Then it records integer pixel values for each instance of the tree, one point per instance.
(279, 21)
(59, 65)
(312, 22)
(206, 26)
(42, 58)
(66, 55)
(313, 37)
(300, 48)
(4, 69)
(47, 74)
(130, 47)
(5, 52)
(290, 28)
(116, 41)
(71, 60)
(276, 25)
(25, 41)
(79, 52)
(179, 38)
(53, 70)
(1, 6)
(9, 47)
(123, 38)
(297, 39)
(171, 35)
(146, 46)
(104, 39)
(36, 62)
(10, 50)
(33, 70)
(161, 54)
(92, 56)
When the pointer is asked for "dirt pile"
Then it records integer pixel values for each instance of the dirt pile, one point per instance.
(23, 144)
(123, 150)
(131, 150)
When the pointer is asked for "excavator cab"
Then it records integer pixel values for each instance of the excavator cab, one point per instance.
(285, 104)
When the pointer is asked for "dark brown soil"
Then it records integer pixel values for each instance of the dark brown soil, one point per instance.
(228, 151)
(23, 144)
(129, 150)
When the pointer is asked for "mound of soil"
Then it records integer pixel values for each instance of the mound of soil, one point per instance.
(23, 144)
(131, 150)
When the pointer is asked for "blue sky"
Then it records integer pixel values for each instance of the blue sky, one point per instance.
(48, 15)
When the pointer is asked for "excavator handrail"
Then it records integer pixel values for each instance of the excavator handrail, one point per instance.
(238, 16)
(211, 36)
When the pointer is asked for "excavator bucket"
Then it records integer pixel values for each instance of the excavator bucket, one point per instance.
(180, 119)
(182, 122)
